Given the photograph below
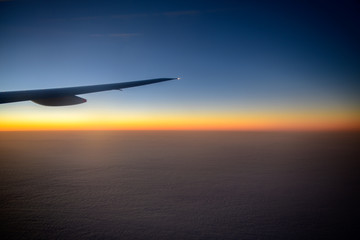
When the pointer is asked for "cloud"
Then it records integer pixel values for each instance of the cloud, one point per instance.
(181, 13)
(167, 14)
(147, 15)
(124, 35)
(130, 16)
(86, 18)
(117, 35)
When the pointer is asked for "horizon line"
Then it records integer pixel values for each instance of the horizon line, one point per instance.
(182, 130)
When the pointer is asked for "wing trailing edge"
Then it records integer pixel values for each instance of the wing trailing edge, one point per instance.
(67, 96)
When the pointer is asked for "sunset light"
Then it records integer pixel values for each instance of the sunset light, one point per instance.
(98, 119)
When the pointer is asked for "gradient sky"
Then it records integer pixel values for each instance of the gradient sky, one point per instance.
(245, 65)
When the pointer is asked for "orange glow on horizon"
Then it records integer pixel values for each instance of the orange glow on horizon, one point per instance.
(250, 121)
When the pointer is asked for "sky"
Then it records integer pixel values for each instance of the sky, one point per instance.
(244, 65)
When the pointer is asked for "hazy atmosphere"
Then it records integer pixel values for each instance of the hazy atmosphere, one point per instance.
(178, 185)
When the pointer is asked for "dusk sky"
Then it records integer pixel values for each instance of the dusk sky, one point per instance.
(244, 65)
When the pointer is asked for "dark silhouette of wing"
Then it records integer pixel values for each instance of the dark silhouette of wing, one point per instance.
(67, 96)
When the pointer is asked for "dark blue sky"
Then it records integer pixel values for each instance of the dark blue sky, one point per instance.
(232, 55)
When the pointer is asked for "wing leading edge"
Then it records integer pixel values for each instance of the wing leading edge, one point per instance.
(67, 96)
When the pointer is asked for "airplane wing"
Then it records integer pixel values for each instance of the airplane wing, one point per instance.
(67, 96)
